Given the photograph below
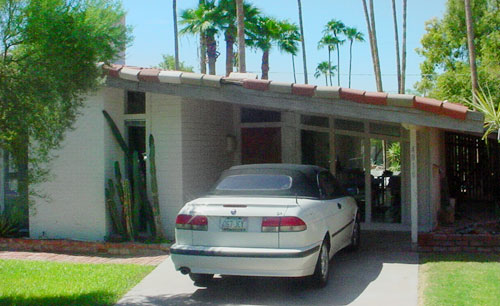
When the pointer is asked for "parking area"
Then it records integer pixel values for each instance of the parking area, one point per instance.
(383, 272)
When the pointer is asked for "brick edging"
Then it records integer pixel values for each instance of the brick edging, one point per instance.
(82, 247)
(441, 242)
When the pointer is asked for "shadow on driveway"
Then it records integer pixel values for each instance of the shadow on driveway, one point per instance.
(351, 275)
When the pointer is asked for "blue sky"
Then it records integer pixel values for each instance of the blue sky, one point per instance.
(153, 36)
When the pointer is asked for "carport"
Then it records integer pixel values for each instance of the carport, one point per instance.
(297, 123)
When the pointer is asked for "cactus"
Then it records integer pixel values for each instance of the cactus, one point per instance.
(127, 208)
(116, 133)
(155, 205)
(113, 208)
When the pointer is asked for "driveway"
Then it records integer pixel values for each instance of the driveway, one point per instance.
(383, 272)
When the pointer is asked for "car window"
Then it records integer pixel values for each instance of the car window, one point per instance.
(329, 186)
(255, 182)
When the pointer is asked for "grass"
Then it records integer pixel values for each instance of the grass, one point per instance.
(460, 279)
(54, 283)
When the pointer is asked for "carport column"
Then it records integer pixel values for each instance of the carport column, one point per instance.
(414, 184)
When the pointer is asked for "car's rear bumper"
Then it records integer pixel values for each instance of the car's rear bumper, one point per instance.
(246, 261)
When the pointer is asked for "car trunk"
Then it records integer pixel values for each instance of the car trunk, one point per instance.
(238, 223)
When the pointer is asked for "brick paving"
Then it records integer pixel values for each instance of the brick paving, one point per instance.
(90, 259)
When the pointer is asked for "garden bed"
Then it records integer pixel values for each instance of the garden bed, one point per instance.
(82, 247)
(475, 237)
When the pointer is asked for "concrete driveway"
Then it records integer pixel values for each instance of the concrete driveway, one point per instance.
(383, 272)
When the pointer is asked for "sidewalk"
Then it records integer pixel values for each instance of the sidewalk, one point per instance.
(90, 259)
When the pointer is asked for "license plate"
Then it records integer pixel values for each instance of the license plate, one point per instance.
(234, 224)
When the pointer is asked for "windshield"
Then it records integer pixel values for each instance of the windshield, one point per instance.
(255, 182)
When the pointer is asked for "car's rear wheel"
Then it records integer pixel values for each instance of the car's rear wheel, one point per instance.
(356, 235)
(322, 270)
(201, 279)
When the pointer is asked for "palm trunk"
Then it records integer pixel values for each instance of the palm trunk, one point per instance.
(338, 66)
(373, 47)
(374, 34)
(329, 72)
(176, 36)
(472, 48)
(265, 65)
(326, 79)
(203, 54)
(396, 40)
(241, 36)
(403, 55)
(229, 51)
(350, 61)
(304, 57)
(293, 66)
(212, 53)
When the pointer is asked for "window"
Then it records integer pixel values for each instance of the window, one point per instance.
(255, 182)
(385, 129)
(349, 125)
(330, 188)
(314, 121)
(251, 115)
(135, 103)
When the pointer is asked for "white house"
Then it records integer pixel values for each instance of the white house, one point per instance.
(387, 148)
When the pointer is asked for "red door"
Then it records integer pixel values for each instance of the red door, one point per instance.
(260, 145)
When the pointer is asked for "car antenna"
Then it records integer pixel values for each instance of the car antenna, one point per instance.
(296, 198)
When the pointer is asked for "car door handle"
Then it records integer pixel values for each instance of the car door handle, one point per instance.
(339, 205)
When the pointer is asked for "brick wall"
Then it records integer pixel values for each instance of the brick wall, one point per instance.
(440, 242)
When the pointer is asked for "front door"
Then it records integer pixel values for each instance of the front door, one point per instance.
(260, 145)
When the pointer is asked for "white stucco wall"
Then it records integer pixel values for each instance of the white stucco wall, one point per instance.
(424, 175)
(205, 126)
(75, 207)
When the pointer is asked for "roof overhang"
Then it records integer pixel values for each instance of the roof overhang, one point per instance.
(234, 92)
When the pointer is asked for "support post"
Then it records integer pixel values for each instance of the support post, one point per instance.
(414, 184)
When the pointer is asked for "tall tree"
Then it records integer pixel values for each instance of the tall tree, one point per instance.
(352, 34)
(203, 21)
(229, 26)
(304, 57)
(403, 52)
(471, 46)
(396, 40)
(372, 34)
(329, 42)
(49, 50)
(325, 68)
(176, 35)
(288, 42)
(240, 12)
(336, 28)
(446, 68)
(168, 63)
(269, 31)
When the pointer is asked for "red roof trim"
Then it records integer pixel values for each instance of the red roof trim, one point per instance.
(303, 90)
(262, 85)
(375, 98)
(352, 95)
(149, 75)
(428, 105)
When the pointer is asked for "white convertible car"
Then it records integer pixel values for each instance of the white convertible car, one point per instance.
(276, 220)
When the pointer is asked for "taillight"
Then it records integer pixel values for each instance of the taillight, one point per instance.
(283, 224)
(292, 224)
(270, 224)
(188, 222)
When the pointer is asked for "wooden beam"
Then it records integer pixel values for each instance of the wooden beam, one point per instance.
(414, 184)
(236, 94)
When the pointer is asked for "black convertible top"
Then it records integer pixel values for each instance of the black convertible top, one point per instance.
(304, 180)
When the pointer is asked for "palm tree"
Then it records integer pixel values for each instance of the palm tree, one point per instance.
(396, 40)
(268, 31)
(370, 24)
(330, 42)
(336, 28)
(176, 35)
(228, 23)
(203, 21)
(472, 49)
(352, 34)
(403, 55)
(240, 15)
(325, 68)
(303, 42)
(288, 43)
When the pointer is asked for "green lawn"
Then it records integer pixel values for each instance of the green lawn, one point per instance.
(460, 279)
(54, 283)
